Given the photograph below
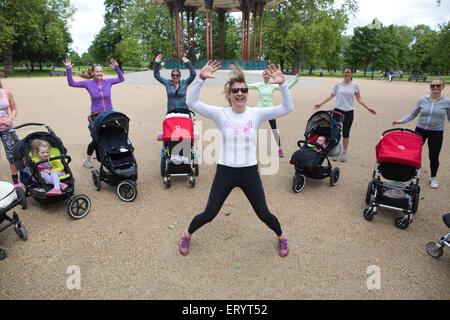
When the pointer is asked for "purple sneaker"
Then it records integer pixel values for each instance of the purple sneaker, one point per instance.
(184, 244)
(283, 249)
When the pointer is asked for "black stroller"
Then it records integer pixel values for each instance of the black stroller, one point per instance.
(436, 249)
(308, 160)
(77, 206)
(399, 155)
(114, 151)
(10, 198)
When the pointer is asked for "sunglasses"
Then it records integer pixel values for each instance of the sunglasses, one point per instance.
(96, 65)
(176, 75)
(435, 85)
(236, 90)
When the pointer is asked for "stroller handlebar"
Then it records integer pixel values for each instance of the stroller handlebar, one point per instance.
(401, 129)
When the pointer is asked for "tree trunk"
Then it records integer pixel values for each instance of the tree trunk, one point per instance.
(296, 63)
(310, 69)
(8, 59)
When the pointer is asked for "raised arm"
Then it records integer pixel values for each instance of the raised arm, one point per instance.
(77, 84)
(120, 77)
(294, 82)
(157, 68)
(192, 72)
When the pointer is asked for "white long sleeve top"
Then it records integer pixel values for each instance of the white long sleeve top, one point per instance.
(238, 130)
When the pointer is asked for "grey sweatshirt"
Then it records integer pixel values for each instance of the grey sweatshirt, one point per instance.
(431, 114)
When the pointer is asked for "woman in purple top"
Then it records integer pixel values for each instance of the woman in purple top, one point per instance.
(100, 91)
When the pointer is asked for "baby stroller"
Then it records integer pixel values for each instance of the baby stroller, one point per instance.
(10, 198)
(436, 249)
(399, 155)
(308, 160)
(114, 151)
(178, 135)
(77, 206)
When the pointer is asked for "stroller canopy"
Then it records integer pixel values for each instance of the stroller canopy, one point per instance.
(401, 147)
(323, 123)
(108, 118)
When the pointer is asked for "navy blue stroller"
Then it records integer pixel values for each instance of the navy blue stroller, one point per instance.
(114, 151)
(309, 158)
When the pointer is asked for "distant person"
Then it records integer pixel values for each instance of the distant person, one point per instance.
(265, 100)
(344, 91)
(100, 91)
(432, 110)
(175, 87)
(8, 137)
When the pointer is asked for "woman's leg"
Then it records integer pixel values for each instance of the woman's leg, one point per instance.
(8, 139)
(435, 140)
(276, 134)
(222, 185)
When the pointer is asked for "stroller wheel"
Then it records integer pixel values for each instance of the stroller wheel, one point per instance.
(196, 169)
(167, 182)
(192, 181)
(78, 206)
(368, 214)
(127, 191)
(434, 250)
(298, 183)
(96, 179)
(3, 253)
(21, 194)
(19, 228)
(402, 222)
(334, 177)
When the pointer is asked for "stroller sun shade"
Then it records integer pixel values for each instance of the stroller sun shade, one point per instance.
(323, 123)
(108, 118)
(401, 147)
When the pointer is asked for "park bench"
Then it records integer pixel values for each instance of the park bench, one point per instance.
(57, 73)
(3, 74)
(417, 77)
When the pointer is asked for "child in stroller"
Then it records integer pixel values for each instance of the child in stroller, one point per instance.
(114, 151)
(10, 198)
(77, 206)
(399, 154)
(178, 153)
(436, 249)
(322, 137)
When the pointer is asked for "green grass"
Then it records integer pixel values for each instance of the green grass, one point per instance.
(377, 76)
(20, 72)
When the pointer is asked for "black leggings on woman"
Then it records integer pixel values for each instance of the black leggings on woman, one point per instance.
(435, 139)
(226, 179)
(92, 145)
(273, 126)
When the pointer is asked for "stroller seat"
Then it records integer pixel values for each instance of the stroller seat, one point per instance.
(57, 163)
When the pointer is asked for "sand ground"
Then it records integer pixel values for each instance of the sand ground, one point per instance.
(130, 250)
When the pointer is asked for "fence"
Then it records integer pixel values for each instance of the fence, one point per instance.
(225, 63)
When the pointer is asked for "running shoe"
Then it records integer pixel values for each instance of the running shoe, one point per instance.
(434, 183)
(280, 152)
(283, 249)
(88, 164)
(344, 157)
(184, 243)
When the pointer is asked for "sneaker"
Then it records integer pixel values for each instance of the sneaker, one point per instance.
(344, 157)
(63, 186)
(280, 152)
(434, 183)
(88, 164)
(184, 243)
(54, 192)
(334, 158)
(283, 249)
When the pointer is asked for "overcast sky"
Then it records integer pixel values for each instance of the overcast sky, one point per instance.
(88, 20)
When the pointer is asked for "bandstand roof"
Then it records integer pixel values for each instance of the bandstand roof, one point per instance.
(229, 5)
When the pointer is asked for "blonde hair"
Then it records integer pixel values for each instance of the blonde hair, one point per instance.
(36, 144)
(236, 75)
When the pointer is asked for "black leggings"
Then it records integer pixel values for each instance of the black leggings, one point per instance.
(91, 147)
(226, 179)
(435, 139)
(273, 126)
(347, 122)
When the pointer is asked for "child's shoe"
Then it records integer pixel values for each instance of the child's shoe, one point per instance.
(54, 192)
(280, 153)
(184, 243)
(63, 186)
(283, 249)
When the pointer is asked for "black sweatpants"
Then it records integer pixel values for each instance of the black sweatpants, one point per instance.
(273, 126)
(435, 139)
(225, 180)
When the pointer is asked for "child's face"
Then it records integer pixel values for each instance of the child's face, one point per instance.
(43, 153)
(321, 140)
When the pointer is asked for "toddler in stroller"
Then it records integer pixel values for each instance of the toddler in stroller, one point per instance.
(10, 198)
(178, 153)
(436, 249)
(322, 137)
(114, 151)
(29, 164)
(399, 155)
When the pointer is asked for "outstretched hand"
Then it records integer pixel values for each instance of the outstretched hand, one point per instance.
(113, 62)
(209, 68)
(184, 59)
(68, 62)
(395, 122)
(158, 57)
(276, 74)
(317, 106)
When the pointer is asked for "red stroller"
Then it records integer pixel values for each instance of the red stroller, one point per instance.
(178, 155)
(399, 154)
